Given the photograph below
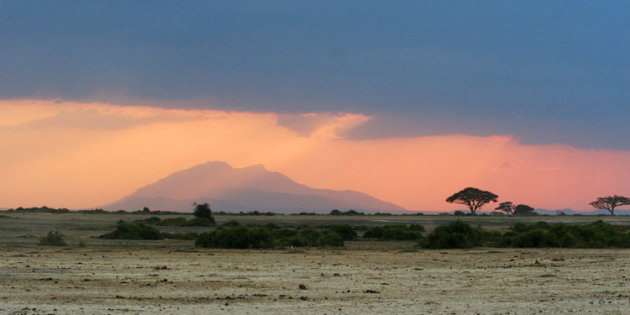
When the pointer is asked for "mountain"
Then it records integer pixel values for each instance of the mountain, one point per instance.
(244, 189)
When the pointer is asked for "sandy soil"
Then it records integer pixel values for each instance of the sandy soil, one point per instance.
(72, 280)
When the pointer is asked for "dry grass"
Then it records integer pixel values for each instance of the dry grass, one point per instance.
(113, 277)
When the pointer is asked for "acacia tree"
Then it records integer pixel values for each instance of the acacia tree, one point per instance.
(507, 206)
(610, 203)
(513, 209)
(473, 198)
(523, 210)
(203, 211)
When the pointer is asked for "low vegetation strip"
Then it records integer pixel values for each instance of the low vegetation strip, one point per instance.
(456, 234)
(134, 231)
(268, 237)
(177, 221)
(598, 234)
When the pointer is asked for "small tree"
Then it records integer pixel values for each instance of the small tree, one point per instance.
(53, 238)
(202, 211)
(610, 203)
(473, 198)
(523, 210)
(507, 206)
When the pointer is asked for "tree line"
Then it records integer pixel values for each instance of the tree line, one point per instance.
(475, 199)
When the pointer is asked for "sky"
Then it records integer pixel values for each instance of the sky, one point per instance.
(405, 100)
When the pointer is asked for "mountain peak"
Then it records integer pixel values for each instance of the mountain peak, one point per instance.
(258, 167)
(243, 189)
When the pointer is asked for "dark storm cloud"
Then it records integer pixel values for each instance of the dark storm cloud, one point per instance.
(545, 71)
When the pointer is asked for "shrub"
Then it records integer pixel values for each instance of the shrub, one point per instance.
(271, 226)
(375, 232)
(203, 211)
(236, 237)
(346, 232)
(395, 232)
(268, 237)
(53, 238)
(231, 223)
(456, 234)
(198, 222)
(133, 231)
(331, 239)
(594, 235)
(181, 236)
(349, 212)
(151, 220)
(177, 221)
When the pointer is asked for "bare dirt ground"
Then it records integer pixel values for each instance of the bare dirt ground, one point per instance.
(173, 277)
(126, 280)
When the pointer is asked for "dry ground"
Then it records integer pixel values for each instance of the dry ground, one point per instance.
(127, 280)
(172, 277)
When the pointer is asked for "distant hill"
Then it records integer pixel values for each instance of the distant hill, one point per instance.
(244, 189)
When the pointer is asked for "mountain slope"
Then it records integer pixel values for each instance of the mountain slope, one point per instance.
(244, 189)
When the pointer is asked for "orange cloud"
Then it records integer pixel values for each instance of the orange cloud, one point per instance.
(81, 155)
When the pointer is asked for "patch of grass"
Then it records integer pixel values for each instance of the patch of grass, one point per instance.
(53, 238)
(12, 228)
(85, 228)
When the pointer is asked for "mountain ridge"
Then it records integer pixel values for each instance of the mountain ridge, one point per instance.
(244, 189)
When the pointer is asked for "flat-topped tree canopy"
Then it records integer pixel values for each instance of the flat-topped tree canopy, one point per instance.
(507, 207)
(472, 197)
(610, 203)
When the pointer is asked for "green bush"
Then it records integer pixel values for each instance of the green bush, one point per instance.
(151, 220)
(236, 237)
(231, 223)
(198, 222)
(374, 232)
(203, 211)
(395, 232)
(331, 239)
(598, 234)
(53, 238)
(349, 212)
(177, 221)
(268, 237)
(456, 234)
(346, 232)
(181, 236)
(133, 231)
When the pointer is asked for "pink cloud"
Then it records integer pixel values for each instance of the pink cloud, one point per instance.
(83, 155)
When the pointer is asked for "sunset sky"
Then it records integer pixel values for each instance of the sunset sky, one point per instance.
(405, 101)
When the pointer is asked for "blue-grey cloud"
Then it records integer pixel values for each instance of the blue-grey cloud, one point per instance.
(544, 71)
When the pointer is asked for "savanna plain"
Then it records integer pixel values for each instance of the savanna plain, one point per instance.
(91, 275)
